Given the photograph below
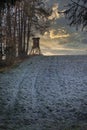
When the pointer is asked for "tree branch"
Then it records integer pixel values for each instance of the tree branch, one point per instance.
(79, 4)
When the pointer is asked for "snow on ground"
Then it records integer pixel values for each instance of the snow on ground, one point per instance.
(45, 93)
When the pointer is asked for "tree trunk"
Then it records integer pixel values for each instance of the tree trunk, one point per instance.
(28, 35)
(0, 37)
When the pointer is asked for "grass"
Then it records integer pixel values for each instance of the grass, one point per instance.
(7, 68)
(17, 62)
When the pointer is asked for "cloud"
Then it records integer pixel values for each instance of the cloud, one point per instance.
(55, 13)
(84, 41)
(61, 33)
(55, 34)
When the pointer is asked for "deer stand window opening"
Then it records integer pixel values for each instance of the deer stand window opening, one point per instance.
(35, 47)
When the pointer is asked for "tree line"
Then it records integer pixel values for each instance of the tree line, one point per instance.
(19, 21)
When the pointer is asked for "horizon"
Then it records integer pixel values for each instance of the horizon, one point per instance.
(61, 36)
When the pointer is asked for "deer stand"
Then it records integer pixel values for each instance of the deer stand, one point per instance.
(36, 47)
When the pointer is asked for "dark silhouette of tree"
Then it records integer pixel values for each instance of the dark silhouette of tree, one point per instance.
(76, 13)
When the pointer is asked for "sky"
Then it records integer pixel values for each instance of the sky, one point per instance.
(61, 38)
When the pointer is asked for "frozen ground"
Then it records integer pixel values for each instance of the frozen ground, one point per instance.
(45, 93)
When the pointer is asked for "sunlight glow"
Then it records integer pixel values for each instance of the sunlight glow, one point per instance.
(57, 35)
(60, 50)
(55, 13)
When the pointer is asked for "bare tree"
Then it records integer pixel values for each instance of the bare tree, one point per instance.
(76, 13)
(34, 19)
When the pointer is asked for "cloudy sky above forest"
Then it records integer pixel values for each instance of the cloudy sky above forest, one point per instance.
(60, 35)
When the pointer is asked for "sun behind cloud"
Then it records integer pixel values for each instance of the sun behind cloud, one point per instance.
(55, 13)
(54, 34)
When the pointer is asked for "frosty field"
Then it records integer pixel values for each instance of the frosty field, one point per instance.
(45, 93)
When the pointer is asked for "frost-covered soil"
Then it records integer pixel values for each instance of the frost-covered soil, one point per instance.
(45, 93)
